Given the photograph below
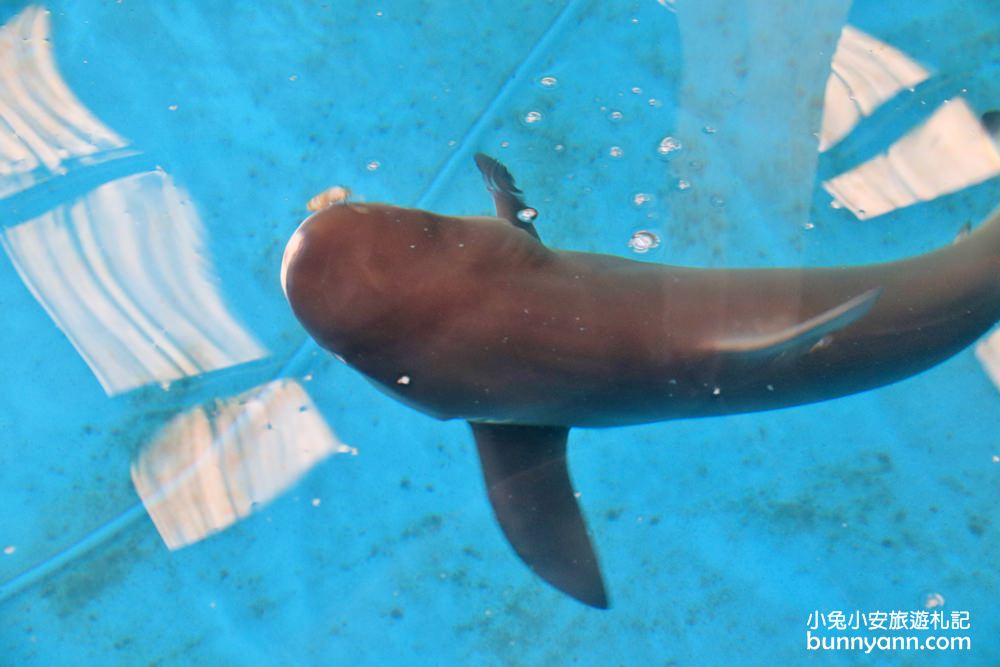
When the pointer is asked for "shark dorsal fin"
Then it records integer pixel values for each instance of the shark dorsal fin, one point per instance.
(506, 195)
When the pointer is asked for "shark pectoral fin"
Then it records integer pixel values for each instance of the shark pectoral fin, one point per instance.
(533, 498)
(506, 196)
(803, 335)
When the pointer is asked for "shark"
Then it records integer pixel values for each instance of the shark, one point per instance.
(474, 318)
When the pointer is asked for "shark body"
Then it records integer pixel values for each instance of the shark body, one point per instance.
(473, 318)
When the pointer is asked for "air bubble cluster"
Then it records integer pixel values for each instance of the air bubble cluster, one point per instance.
(527, 214)
(667, 146)
(643, 241)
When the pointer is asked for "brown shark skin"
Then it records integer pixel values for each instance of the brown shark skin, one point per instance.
(472, 318)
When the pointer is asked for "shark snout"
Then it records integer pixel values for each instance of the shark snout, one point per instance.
(292, 249)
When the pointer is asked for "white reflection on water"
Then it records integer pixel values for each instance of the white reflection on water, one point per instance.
(42, 125)
(207, 469)
(988, 353)
(950, 151)
(123, 273)
(864, 74)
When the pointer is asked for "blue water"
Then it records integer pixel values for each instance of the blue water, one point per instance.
(718, 538)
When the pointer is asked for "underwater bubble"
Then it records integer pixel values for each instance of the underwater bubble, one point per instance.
(643, 241)
(835, 203)
(403, 379)
(9, 549)
(559, 148)
(683, 184)
(708, 129)
(548, 82)
(373, 165)
(636, 90)
(616, 115)
(527, 214)
(933, 600)
(316, 502)
(616, 151)
(532, 117)
(668, 145)
(718, 201)
(641, 198)
(653, 102)
(807, 226)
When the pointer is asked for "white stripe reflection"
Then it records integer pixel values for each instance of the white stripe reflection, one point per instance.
(865, 73)
(42, 125)
(123, 273)
(949, 152)
(988, 354)
(206, 470)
